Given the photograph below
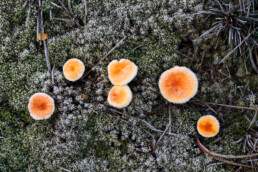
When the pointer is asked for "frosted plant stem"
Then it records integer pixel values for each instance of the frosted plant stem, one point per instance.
(86, 11)
(64, 169)
(155, 129)
(232, 106)
(44, 40)
(169, 113)
(28, 16)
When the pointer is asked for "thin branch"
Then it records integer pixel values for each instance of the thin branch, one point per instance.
(253, 120)
(61, 19)
(72, 17)
(54, 4)
(52, 74)
(223, 156)
(232, 106)
(169, 118)
(118, 44)
(168, 127)
(219, 159)
(155, 129)
(163, 134)
(218, 163)
(252, 60)
(44, 40)
(28, 16)
(64, 169)
(86, 11)
(37, 28)
(70, 7)
(25, 4)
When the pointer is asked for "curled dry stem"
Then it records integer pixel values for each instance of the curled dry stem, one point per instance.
(215, 156)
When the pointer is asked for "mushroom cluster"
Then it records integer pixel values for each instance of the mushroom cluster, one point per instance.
(41, 106)
(120, 73)
(177, 85)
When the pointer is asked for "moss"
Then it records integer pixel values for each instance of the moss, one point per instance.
(14, 153)
(84, 133)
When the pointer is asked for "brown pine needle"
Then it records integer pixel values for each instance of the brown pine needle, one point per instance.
(232, 106)
(213, 155)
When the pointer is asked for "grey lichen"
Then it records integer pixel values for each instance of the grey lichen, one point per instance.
(84, 133)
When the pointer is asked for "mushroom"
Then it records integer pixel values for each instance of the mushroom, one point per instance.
(121, 72)
(41, 106)
(120, 96)
(178, 84)
(40, 36)
(208, 126)
(73, 69)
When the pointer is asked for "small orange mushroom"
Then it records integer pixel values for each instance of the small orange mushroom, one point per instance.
(41, 106)
(208, 126)
(120, 96)
(178, 84)
(121, 72)
(73, 69)
(40, 36)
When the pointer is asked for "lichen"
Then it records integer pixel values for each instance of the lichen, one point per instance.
(85, 133)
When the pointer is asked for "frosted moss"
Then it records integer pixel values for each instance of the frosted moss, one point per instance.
(83, 133)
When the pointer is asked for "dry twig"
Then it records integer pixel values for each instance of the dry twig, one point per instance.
(42, 30)
(68, 12)
(86, 11)
(212, 154)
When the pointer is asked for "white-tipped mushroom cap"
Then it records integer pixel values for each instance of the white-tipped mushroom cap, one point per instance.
(121, 72)
(120, 96)
(73, 69)
(178, 84)
(208, 126)
(41, 106)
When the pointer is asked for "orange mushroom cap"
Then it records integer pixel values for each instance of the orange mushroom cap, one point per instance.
(121, 72)
(41, 106)
(208, 126)
(178, 84)
(40, 36)
(73, 69)
(120, 96)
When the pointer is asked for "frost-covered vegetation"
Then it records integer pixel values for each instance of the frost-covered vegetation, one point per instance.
(85, 133)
